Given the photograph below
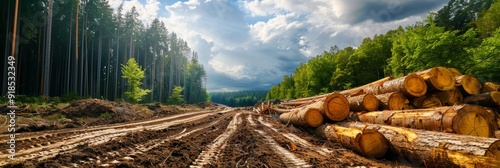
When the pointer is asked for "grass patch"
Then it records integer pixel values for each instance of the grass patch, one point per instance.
(107, 114)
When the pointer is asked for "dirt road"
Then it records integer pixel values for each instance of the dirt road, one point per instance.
(219, 138)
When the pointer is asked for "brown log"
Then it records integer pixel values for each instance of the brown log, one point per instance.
(336, 107)
(491, 99)
(450, 97)
(468, 84)
(367, 142)
(411, 86)
(428, 101)
(464, 119)
(437, 149)
(455, 72)
(366, 102)
(497, 134)
(490, 87)
(308, 116)
(360, 90)
(438, 78)
(393, 101)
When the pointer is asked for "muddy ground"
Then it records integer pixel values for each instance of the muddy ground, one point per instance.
(205, 137)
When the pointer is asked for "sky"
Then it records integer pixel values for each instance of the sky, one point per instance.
(252, 44)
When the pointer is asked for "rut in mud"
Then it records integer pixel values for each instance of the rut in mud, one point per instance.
(218, 138)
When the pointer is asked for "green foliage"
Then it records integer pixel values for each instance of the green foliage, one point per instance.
(176, 97)
(489, 21)
(486, 59)
(106, 115)
(239, 98)
(69, 97)
(134, 73)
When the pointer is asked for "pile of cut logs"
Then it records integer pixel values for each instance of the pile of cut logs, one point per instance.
(433, 117)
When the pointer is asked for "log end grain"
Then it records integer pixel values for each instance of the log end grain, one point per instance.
(473, 120)
(440, 78)
(373, 144)
(314, 117)
(398, 101)
(469, 84)
(415, 85)
(336, 107)
(450, 97)
(370, 102)
(490, 87)
(455, 72)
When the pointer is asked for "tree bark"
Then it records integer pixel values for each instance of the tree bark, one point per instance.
(490, 87)
(450, 97)
(491, 99)
(411, 86)
(365, 102)
(436, 148)
(438, 78)
(465, 119)
(367, 142)
(393, 101)
(309, 116)
(468, 84)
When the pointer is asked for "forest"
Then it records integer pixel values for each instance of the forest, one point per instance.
(78, 47)
(239, 98)
(464, 34)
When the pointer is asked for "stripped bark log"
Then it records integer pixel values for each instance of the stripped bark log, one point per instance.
(491, 99)
(367, 142)
(308, 116)
(393, 101)
(411, 86)
(436, 149)
(360, 90)
(465, 119)
(366, 102)
(468, 84)
(450, 97)
(438, 78)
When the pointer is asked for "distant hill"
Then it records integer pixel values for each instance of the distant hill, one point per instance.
(238, 98)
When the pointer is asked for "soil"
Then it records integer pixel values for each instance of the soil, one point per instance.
(211, 136)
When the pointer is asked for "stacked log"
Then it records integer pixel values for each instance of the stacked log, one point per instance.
(436, 148)
(434, 116)
(368, 142)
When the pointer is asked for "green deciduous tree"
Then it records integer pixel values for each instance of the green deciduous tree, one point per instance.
(486, 59)
(134, 74)
(176, 97)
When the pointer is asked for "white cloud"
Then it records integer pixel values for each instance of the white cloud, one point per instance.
(147, 12)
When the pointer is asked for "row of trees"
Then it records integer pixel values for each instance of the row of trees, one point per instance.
(239, 98)
(464, 35)
(68, 46)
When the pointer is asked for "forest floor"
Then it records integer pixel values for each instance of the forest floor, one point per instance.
(110, 134)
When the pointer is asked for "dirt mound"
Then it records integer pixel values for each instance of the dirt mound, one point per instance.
(89, 108)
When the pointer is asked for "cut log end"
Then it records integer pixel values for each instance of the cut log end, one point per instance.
(494, 151)
(475, 121)
(455, 72)
(415, 86)
(429, 101)
(370, 102)
(336, 107)
(469, 84)
(450, 97)
(490, 87)
(440, 78)
(314, 117)
(398, 101)
(373, 144)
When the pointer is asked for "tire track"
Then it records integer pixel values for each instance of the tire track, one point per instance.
(209, 156)
(298, 140)
(286, 156)
(97, 137)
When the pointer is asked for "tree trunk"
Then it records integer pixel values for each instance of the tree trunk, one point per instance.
(367, 142)
(99, 54)
(465, 119)
(436, 148)
(490, 87)
(336, 107)
(46, 79)
(309, 116)
(393, 101)
(366, 102)
(468, 84)
(450, 97)
(411, 86)
(491, 99)
(428, 101)
(455, 72)
(438, 79)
